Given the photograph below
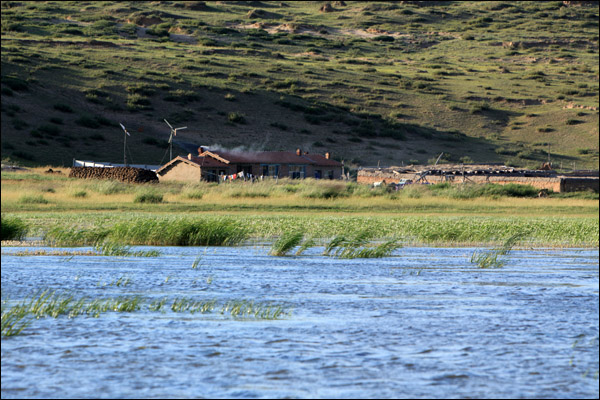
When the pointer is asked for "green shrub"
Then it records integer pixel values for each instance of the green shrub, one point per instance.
(325, 191)
(35, 199)
(573, 122)
(148, 197)
(87, 122)
(182, 96)
(79, 193)
(492, 190)
(109, 187)
(14, 83)
(383, 38)
(194, 194)
(479, 107)
(237, 118)
(12, 228)
(63, 108)
(141, 89)
(136, 101)
(51, 130)
(160, 30)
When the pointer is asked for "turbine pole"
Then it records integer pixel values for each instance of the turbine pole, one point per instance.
(124, 144)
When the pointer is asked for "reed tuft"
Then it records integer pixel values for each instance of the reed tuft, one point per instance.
(286, 243)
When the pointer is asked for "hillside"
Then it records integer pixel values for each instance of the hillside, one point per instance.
(372, 82)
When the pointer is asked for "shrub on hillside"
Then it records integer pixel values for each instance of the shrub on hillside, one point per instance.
(63, 108)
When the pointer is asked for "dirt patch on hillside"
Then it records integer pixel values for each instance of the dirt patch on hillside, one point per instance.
(580, 106)
(422, 41)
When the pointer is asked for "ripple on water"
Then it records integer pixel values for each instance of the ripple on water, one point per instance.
(425, 323)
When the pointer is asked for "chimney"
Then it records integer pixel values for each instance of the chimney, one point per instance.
(189, 156)
(328, 155)
(201, 150)
(298, 152)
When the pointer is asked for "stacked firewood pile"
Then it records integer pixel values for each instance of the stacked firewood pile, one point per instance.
(123, 174)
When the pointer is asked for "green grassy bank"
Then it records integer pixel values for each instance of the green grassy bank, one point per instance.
(72, 212)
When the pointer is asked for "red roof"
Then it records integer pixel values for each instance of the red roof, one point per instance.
(322, 160)
(208, 162)
(269, 157)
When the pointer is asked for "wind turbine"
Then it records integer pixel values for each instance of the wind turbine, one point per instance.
(124, 144)
(173, 133)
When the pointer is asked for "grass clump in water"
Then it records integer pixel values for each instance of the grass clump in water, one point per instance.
(120, 250)
(245, 309)
(490, 259)
(286, 243)
(192, 306)
(14, 320)
(179, 232)
(152, 231)
(72, 236)
(13, 228)
(358, 246)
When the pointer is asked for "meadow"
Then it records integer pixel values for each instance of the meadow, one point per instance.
(74, 212)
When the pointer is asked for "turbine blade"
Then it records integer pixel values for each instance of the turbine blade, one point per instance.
(168, 124)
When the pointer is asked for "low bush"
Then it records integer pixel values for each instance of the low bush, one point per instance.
(63, 108)
(148, 197)
(33, 199)
(13, 228)
(237, 118)
(88, 122)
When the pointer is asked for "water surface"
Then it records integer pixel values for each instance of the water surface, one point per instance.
(424, 323)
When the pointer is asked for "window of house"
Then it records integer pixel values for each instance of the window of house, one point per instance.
(270, 169)
(329, 174)
(297, 171)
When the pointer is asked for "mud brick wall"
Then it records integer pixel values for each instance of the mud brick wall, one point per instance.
(549, 183)
(123, 174)
(579, 184)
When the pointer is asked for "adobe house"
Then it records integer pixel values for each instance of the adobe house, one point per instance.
(213, 165)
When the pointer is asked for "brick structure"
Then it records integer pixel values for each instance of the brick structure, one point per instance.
(216, 165)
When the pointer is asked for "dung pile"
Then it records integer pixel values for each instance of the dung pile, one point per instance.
(123, 174)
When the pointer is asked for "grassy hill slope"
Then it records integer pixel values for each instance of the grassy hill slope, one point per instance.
(372, 82)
